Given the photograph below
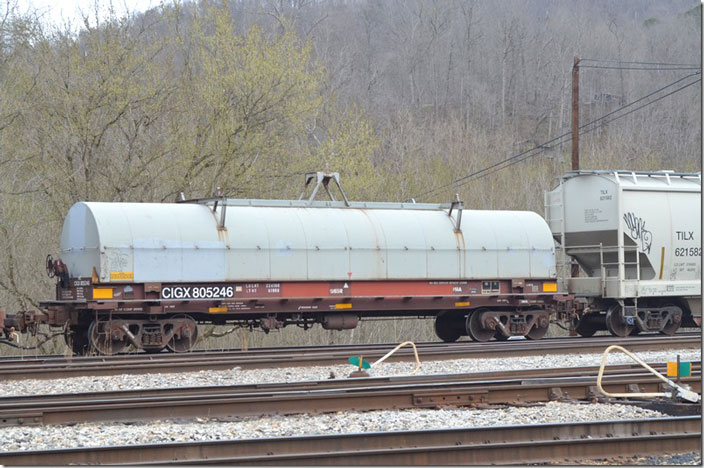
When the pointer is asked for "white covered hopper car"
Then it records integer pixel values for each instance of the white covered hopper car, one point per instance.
(636, 237)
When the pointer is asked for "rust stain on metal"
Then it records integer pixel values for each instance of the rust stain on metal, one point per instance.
(562, 442)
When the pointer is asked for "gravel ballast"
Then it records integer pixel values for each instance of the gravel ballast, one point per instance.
(91, 435)
(238, 376)
(20, 438)
(688, 458)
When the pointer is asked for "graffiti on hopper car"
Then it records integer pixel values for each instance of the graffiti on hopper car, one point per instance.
(638, 232)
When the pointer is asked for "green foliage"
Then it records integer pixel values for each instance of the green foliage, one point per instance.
(254, 98)
(346, 145)
(84, 129)
(140, 109)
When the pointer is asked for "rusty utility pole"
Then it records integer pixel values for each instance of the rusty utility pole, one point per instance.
(574, 271)
(575, 114)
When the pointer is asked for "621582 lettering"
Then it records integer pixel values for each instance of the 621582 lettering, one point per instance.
(688, 252)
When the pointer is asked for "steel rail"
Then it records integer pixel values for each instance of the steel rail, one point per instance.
(330, 396)
(519, 444)
(46, 368)
(532, 374)
(16, 359)
(22, 360)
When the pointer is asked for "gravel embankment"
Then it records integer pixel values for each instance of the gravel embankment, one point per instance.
(689, 458)
(293, 374)
(88, 435)
(18, 438)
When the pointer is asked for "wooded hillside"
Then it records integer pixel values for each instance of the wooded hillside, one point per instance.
(406, 99)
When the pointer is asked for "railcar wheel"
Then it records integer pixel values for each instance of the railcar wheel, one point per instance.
(536, 332)
(674, 323)
(77, 339)
(585, 329)
(498, 336)
(185, 336)
(540, 327)
(101, 341)
(475, 329)
(615, 325)
(444, 329)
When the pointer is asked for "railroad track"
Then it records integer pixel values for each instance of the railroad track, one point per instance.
(48, 367)
(543, 443)
(480, 389)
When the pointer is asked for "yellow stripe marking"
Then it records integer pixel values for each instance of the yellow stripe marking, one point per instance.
(662, 261)
(549, 287)
(102, 293)
(343, 306)
(121, 275)
(462, 304)
(215, 310)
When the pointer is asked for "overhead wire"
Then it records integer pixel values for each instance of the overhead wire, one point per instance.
(542, 146)
(642, 98)
(455, 182)
(582, 132)
(640, 68)
(639, 107)
(639, 63)
(516, 161)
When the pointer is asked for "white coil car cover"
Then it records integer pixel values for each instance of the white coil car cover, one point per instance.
(181, 242)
